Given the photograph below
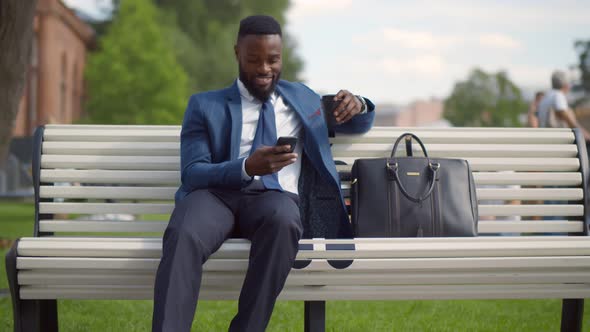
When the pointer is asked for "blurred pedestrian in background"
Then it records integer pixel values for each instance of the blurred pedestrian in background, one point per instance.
(533, 115)
(554, 111)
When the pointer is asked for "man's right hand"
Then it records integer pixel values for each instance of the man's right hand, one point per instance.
(269, 159)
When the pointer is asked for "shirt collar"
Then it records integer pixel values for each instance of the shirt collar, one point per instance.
(245, 94)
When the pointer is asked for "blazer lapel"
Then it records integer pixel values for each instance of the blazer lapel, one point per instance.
(312, 150)
(234, 103)
(290, 101)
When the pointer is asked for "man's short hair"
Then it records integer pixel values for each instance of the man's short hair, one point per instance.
(558, 79)
(259, 25)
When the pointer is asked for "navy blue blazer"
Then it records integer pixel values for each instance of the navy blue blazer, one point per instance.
(210, 143)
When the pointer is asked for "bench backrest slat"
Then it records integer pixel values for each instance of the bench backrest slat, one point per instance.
(121, 179)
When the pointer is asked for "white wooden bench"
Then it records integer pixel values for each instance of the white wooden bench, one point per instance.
(84, 172)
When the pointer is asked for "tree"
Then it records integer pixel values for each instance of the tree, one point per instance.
(16, 32)
(583, 49)
(207, 31)
(134, 78)
(485, 100)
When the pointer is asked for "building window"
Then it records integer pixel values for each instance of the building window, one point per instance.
(76, 107)
(63, 90)
(33, 85)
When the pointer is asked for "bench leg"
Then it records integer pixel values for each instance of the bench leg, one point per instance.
(315, 316)
(29, 315)
(572, 313)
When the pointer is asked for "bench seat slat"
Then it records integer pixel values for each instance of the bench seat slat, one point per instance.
(162, 208)
(301, 278)
(504, 226)
(320, 293)
(389, 249)
(322, 241)
(389, 265)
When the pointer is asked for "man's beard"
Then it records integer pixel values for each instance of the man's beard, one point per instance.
(258, 93)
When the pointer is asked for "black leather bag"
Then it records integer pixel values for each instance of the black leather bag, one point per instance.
(413, 196)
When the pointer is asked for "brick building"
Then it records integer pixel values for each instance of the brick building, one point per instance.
(420, 113)
(54, 89)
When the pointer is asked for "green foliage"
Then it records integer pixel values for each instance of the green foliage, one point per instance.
(583, 49)
(489, 100)
(134, 77)
(206, 33)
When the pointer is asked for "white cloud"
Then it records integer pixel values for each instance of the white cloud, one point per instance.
(523, 15)
(527, 75)
(428, 65)
(499, 41)
(425, 40)
(419, 39)
(306, 8)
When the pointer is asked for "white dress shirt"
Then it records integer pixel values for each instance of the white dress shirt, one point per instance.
(288, 124)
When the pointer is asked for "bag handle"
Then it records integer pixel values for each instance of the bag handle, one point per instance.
(409, 151)
(410, 135)
(393, 169)
(433, 167)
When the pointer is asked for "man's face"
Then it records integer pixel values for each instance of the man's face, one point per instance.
(260, 62)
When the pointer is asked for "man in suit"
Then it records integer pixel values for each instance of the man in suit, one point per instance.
(237, 183)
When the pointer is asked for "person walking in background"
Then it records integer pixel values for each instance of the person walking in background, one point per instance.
(533, 115)
(554, 111)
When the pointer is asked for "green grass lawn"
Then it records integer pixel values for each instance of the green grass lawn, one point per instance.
(16, 220)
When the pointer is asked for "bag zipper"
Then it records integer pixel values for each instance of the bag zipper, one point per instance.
(354, 204)
(397, 211)
(434, 221)
(389, 205)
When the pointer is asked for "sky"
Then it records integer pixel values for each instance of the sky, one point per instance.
(395, 52)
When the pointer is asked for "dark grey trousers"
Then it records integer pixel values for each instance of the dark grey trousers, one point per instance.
(199, 224)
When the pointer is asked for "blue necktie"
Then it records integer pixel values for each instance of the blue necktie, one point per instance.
(266, 134)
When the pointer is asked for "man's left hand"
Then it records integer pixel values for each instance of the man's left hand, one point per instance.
(349, 106)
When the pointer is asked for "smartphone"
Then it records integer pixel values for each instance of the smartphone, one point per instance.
(288, 140)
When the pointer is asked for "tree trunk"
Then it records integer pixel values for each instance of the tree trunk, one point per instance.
(16, 31)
